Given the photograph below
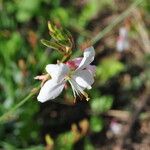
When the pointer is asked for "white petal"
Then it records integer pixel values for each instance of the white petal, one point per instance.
(50, 90)
(122, 45)
(57, 71)
(83, 78)
(88, 57)
(119, 46)
(123, 32)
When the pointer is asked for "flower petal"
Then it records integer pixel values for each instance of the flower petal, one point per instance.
(74, 63)
(88, 57)
(57, 71)
(83, 78)
(50, 90)
(91, 69)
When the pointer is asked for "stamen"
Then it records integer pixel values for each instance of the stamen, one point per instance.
(78, 91)
(73, 89)
(86, 95)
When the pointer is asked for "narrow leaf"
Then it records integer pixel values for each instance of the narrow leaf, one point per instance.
(52, 45)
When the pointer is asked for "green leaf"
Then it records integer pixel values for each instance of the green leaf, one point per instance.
(59, 34)
(108, 68)
(27, 9)
(101, 104)
(96, 124)
(8, 146)
(60, 14)
(23, 16)
(88, 145)
(65, 141)
(12, 45)
(52, 45)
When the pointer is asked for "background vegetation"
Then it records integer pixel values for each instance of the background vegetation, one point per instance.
(121, 91)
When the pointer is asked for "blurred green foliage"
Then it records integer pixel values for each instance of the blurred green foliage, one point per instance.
(65, 141)
(26, 9)
(96, 124)
(23, 23)
(108, 68)
(101, 104)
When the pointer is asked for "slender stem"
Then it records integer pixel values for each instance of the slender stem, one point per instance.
(65, 58)
(115, 22)
(6, 115)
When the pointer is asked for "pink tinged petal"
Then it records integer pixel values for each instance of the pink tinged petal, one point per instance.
(74, 63)
(71, 64)
(50, 90)
(122, 42)
(88, 57)
(57, 71)
(122, 45)
(83, 78)
(77, 61)
(91, 69)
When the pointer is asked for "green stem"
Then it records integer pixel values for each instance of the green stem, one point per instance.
(6, 115)
(115, 22)
(65, 58)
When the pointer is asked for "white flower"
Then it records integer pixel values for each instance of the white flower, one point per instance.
(116, 127)
(78, 72)
(122, 42)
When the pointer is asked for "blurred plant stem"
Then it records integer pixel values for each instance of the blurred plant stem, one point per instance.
(6, 116)
(115, 22)
(81, 30)
(141, 28)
